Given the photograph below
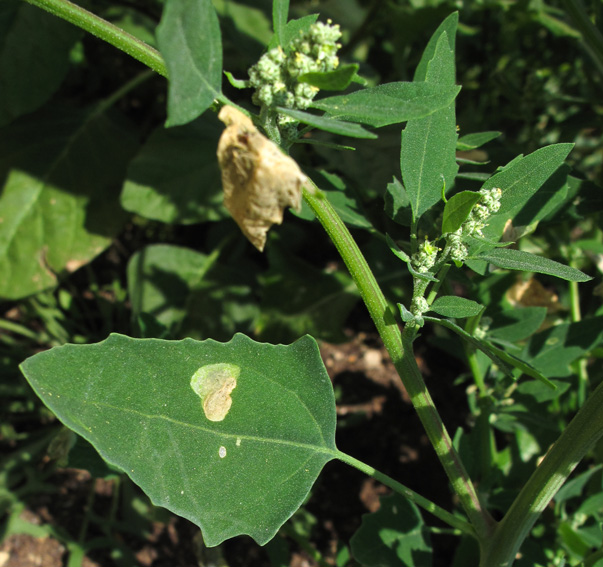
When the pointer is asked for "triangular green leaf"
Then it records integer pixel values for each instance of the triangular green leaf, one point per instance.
(138, 402)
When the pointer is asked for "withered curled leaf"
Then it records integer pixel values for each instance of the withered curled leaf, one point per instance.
(259, 180)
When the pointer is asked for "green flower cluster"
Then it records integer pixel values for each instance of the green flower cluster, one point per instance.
(488, 204)
(426, 256)
(276, 75)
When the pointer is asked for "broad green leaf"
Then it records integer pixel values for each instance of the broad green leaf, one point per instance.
(136, 401)
(475, 140)
(189, 40)
(553, 350)
(280, 13)
(457, 210)
(519, 260)
(520, 181)
(34, 58)
(175, 177)
(393, 536)
(516, 324)
(428, 151)
(321, 304)
(455, 307)
(189, 293)
(59, 204)
(336, 80)
(482, 345)
(328, 124)
(389, 104)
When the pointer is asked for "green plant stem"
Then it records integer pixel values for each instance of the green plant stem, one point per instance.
(580, 366)
(400, 351)
(428, 505)
(106, 31)
(577, 438)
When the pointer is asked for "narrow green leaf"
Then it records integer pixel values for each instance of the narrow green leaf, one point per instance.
(455, 307)
(236, 83)
(518, 260)
(520, 180)
(152, 408)
(397, 203)
(328, 124)
(428, 151)
(405, 314)
(189, 40)
(396, 250)
(291, 30)
(280, 13)
(484, 346)
(336, 80)
(389, 104)
(34, 58)
(475, 140)
(59, 202)
(556, 26)
(457, 210)
(395, 535)
(175, 177)
(523, 366)
(447, 27)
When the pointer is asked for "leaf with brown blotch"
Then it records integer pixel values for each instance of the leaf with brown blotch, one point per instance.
(259, 180)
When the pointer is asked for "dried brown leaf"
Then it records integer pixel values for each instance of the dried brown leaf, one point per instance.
(259, 180)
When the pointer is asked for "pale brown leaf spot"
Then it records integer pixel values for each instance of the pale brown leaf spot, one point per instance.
(259, 180)
(214, 383)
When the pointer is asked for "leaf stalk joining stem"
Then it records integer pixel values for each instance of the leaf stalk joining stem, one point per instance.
(400, 350)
